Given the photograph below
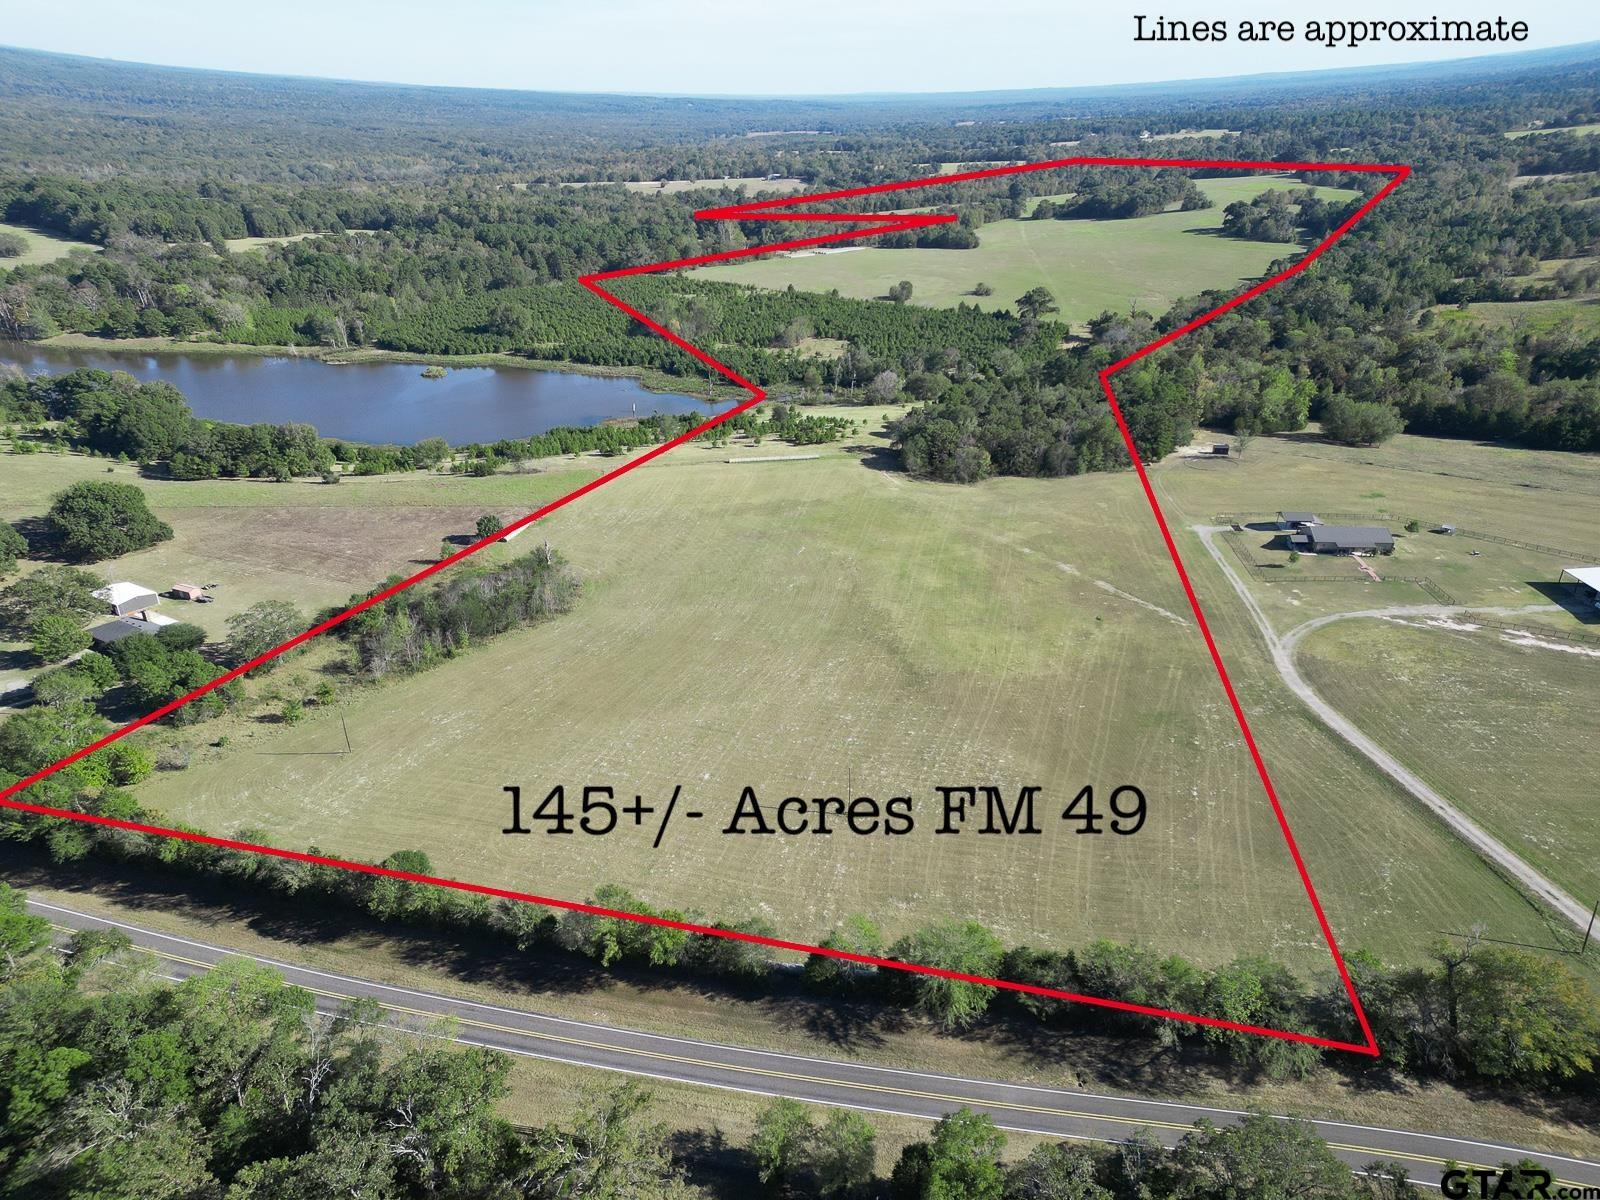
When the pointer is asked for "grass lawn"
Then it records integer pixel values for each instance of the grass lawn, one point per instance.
(1507, 731)
(1091, 266)
(819, 627)
(43, 247)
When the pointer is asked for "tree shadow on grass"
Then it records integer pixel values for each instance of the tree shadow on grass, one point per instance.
(715, 1163)
(18, 660)
(841, 1023)
(878, 458)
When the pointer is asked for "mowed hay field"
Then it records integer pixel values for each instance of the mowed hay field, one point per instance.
(1503, 725)
(1090, 266)
(823, 628)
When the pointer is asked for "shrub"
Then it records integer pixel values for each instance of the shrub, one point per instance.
(92, 521)
(12, 547)
(57, 636)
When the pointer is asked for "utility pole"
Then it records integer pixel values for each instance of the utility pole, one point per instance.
(1593, 912)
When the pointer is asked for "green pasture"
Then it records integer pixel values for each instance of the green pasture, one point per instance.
(1501, 724)
(1091, 266)
(43, 246)
(821, 627)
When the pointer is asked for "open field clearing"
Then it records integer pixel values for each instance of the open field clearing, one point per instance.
(43, 246)
(671, 187)
(817, 627)
(239, 245)
(1504, 725)
(1184, 134)
(1091, 266)
(820, 627)
(1580, 130)
(1579, 314)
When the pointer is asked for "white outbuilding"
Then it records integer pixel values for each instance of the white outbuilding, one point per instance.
(123, 597)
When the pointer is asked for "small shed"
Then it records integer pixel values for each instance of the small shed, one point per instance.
(123, 597)
(1296, 520)
(186, 591)
(1220, 448)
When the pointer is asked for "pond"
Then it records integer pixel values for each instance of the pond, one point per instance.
(372, 402)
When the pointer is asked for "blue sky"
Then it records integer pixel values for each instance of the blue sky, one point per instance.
(725, 46)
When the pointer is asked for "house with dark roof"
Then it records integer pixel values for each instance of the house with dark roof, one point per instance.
(1342, 539)
(125, 627)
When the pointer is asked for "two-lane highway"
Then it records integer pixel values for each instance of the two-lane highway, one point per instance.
(1053, 1112)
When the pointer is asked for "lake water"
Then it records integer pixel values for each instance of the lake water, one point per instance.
(373, 402)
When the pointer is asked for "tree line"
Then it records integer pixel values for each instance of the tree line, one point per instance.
(233, 1085)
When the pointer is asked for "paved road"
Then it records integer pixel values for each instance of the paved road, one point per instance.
(1055, 1112)
(1282, 650)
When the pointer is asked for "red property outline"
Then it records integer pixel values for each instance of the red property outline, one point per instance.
(865, 225)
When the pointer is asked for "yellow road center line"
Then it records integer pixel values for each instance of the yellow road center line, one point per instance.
(795, 1077)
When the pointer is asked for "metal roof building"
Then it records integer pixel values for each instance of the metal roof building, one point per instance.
(1587, 578)
(123, 597)
(1344, 539)
(123, 627)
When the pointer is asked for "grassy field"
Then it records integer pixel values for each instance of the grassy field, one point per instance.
(671, 187)
(1091, 266)
(1184, 134)
(1580, 314)
(241, 244)
(1580, 130)
(819, 627)
(43, 247)
(1506, 730)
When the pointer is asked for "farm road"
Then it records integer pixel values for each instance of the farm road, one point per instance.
(1282, 649)
(1054, 1112)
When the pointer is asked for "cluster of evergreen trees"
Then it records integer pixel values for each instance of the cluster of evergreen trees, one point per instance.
(1120, 193)
(423, 625)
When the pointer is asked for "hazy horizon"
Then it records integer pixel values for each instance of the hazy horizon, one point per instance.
(711, 48)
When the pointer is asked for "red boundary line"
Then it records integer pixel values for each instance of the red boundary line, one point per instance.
(866, 225)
